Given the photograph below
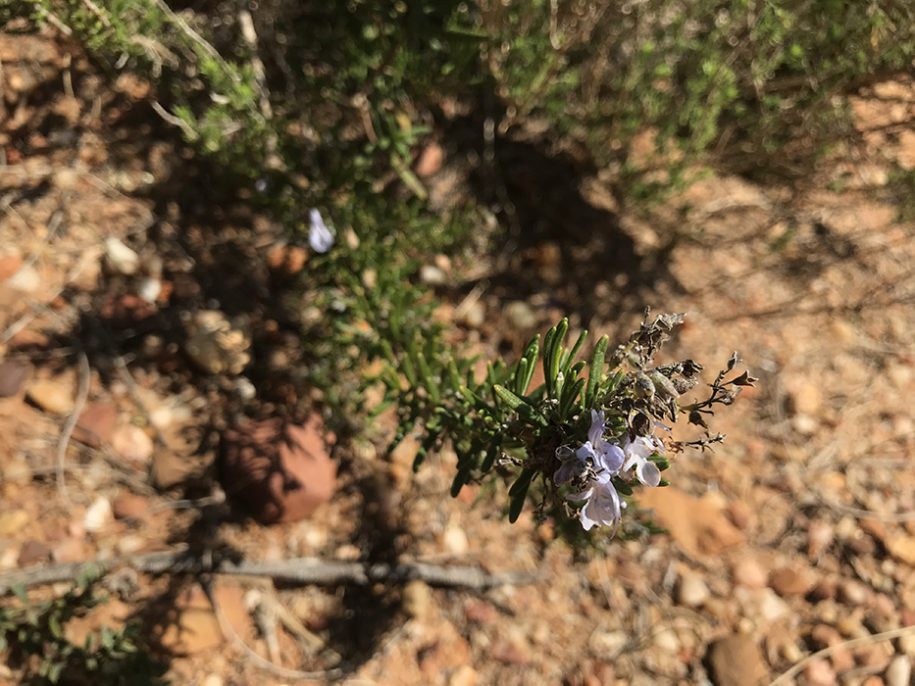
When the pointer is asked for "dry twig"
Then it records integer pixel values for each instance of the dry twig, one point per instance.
(81, 395)
(307, 570)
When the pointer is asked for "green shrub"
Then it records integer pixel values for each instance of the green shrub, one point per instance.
(33, 639)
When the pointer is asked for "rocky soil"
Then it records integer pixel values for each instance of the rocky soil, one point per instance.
(131, 310)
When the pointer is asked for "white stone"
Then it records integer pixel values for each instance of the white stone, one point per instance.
(98, 515)
(899, 673)
(121, 259)
(149, 289)
(431, 275)
(771, 607)
(132, 443)
(26, 280)
(693, 591)
(455, 540)
(608, 644)
(907, 644)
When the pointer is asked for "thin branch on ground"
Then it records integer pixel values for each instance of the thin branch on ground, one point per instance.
(306, 570)
(81, 395)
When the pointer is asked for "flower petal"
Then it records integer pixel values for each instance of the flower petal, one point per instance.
(597, 427)
(586, 452)
(611, 457)
(648, 473)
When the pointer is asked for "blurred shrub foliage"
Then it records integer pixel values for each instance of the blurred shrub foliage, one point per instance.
(339, 92)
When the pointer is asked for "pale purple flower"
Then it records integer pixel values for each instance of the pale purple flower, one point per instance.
(637, 451)
(604, 456)
(597, 460)
(319, 236)
(603, 507)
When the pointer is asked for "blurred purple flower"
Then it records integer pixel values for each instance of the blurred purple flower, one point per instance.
(319, 236)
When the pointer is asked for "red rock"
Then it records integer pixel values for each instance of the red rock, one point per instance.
(95, 425)
(130, 505)
(70, 550)
(820, 673)
(823, 590)
(287, 260)
(9, 265)
(430, 160)
(33, 552)
(281, 472)
(12, 375)
(876, 656)
(511, 650)
(790, 581)
(127, 308)
(480, 611)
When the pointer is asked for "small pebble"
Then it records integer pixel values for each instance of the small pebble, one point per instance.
(455, 540)
(26, 280)
(820, 673)
(693, 591)
(431, 275)
(749, 573)
(12, 375)
(464, 675)
(132, 443)
(12, 521)
(98, 515)
(852, 592)
(417, 599)
(52, 395)
(899, 673)
(520, 315)
(121, 259)
(820, 536)
(907, 644)
(787, 581)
